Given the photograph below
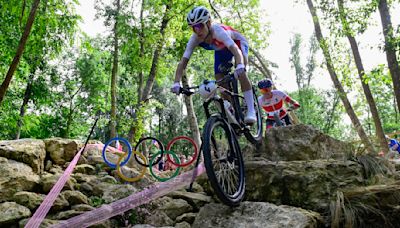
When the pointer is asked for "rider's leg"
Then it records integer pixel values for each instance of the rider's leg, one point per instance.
(287, 120)
(222, 57)
(245, 85)
(270, 124)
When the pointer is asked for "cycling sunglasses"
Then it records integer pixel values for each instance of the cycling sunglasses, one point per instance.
(265, 90)
(198, 27)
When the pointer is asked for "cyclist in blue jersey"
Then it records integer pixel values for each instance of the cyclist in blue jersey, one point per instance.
(227, 43)
(393, 144)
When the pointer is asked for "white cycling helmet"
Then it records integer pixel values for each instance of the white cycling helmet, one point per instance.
(207, 89)
(198, 15)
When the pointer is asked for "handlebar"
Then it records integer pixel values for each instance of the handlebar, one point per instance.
(188, 91)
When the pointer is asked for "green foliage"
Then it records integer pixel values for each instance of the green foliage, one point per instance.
(380, 82)
(71, 84)
(96, 201)
(322, 110)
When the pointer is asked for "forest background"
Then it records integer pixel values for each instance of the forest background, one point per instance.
(56, 78)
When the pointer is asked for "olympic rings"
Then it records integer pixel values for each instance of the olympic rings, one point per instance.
(131, 179)
(167, 178)
(147, 149)
(194, 156)
(117, 139)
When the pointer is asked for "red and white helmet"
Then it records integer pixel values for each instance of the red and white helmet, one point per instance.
(199, 14)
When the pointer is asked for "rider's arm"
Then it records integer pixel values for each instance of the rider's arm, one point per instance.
(293, 102)
(236, 53)
(180, 69)
(193, 42)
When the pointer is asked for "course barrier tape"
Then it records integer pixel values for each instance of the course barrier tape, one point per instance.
(45, 206)
(47, 203)
(120, 206)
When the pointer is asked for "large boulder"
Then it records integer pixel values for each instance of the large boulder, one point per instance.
(45, 223)
(174, 207)
(29, 151)
(196, 200)
(62, 150)
(11, 213)
(112, 192)
(75, 197)
(30, 200)
(85, 169)
(48, 181)
(256, 214)
(306, 184)
(15, 176)
(159, 219)
(301, 142)
(33, 200)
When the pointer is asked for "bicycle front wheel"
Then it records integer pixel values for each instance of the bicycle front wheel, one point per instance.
(223, 161)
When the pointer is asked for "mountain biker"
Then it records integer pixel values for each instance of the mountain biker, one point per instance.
(393, 144)
(272, 100)
(227, 43)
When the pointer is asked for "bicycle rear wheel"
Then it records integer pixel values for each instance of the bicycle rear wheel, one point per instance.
(254, 131)
(223, 161)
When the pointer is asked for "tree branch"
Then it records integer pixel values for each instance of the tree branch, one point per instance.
(215, 11)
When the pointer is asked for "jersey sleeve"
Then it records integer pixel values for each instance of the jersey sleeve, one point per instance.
(191, 45)
(221, 35)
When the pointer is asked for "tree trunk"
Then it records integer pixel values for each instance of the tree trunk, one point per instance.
(361, 73)
(27, 96)
(114, 78)
(141, 53)
(266, 71)
(132, 130)
(258, 66)
(193, 124)
(71, 112)
(389, 48)
(156, 55)
(20, 50)
(329, 124)
(342, 94)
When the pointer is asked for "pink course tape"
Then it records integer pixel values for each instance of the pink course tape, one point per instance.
(107, 211)
(44, 208)
(47, 203)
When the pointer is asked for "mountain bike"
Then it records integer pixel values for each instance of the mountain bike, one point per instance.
(278, 121)
(223, 158)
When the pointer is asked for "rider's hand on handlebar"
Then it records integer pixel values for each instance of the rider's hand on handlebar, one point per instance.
(175, 88)
(240, 70)
(293, 107)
